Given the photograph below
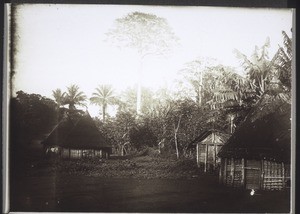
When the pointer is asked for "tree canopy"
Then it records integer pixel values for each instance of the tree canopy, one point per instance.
(147, 33)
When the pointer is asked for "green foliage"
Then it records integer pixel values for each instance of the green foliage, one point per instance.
(31, 116)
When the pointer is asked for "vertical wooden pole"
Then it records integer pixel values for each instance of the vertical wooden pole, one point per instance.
(225, 171)
(197, 154)
(243, 173)
(220, 171)
(262, 174)
(283, 172)
(205, 161)
(232, 171)
(215, 152)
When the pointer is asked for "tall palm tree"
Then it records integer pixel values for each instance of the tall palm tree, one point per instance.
(59, 96)
(103, 97)
(74, 96)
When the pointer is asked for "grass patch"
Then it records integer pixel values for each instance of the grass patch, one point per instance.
(123, 167)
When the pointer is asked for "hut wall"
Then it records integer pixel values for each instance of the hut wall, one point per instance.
(207, 154)
(254, 174)
(275, 175)
(65, 153)
(238, 173)
(87, 153)
(75, 153)
(98, 153)
(227, 172)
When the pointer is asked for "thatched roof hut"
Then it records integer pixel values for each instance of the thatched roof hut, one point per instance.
(258, 154)
(268, 137)
(78, 133)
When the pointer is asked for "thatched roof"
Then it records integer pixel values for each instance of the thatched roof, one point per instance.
(79, 133)
(205, 137)
(265, 137)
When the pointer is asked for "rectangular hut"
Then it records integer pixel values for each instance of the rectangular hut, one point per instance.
(257, 155)
(75, 137)
(207, 146)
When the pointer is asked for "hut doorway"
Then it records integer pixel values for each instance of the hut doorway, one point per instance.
(252, 174)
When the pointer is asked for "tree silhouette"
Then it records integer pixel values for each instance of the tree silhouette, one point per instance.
(103, 97)
(283, 61)
(259, 68)
(59, 96)
(148, 34)
(74, 97)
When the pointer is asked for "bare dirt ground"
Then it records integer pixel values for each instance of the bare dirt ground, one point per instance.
(92, 186)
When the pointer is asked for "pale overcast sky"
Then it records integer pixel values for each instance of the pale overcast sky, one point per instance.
(64, 44)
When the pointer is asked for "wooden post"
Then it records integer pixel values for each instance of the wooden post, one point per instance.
(225, 171)
(232, 171)
(282, 172)
(243, 173)
(197, 154)
(220, 171)
(262, 174)
(205, 160)
(69, 153)
(215, 154)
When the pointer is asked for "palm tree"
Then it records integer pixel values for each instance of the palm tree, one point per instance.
(283, 61)
(74, 96)
(259, 68)
(103, 97)
(59, 96)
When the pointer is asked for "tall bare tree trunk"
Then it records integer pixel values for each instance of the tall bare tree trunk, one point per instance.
(103, 113)
(175, 136)
(139, 89)
(200, 87)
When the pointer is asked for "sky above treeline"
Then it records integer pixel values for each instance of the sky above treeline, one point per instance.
(59, 45)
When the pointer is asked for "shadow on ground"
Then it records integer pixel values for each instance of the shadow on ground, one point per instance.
(91, 194)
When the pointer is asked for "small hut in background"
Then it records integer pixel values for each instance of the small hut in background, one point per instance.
(257, 155)
(76, 136)
(207, 146)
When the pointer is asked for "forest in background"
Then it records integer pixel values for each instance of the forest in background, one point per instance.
(209, 96)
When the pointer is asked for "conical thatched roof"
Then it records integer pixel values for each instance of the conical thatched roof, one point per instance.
(262, 136)
(78, 132)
